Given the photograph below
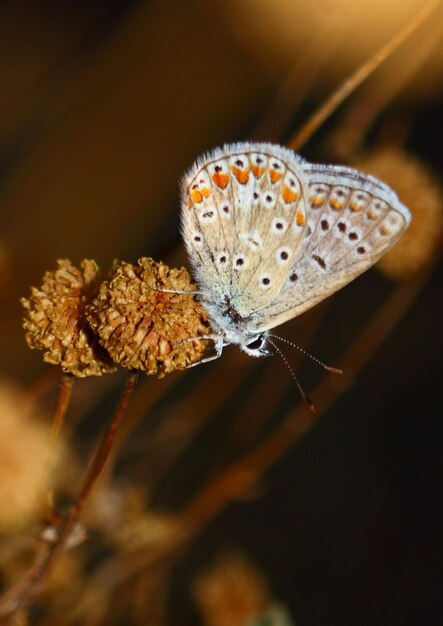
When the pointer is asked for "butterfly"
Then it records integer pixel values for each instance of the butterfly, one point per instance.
(270, 235)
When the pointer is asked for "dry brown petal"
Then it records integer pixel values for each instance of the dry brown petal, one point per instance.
(55, 322)
(231, 593)
(146, 329)
(419, 191)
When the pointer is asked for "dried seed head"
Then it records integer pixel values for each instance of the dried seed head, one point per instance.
(146, 329)
(55, 322)
(420, 192)
(232, 593)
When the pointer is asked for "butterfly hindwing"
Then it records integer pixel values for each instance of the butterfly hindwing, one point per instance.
(352, 220)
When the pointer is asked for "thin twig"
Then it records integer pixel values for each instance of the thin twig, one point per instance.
(303, 135)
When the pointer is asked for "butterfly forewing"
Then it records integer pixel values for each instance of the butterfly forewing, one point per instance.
(244, 217)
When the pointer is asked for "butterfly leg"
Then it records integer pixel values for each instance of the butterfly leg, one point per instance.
(218, 345)
(177, 291)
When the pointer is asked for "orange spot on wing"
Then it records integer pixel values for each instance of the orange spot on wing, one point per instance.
(337, 204)
(300, 218)
(241, 175)
(220, 179)
(317, 200)
(288, 195)
(196, 196)
(205, 191)
(355, 206)
(257, 171)
(274, 176)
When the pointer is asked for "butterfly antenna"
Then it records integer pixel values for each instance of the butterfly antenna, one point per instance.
(304, 395)
(334, 370)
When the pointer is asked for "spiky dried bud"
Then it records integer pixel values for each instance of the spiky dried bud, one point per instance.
(55, 321)
(143, 328)
(232, 593)
(419, 191)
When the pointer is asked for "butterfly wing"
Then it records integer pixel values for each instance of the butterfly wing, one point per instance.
(243, 220)
(352, 220)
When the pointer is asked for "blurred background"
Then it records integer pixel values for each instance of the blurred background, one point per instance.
(103, 105)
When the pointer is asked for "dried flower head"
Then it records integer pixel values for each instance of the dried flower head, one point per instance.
(55, 320)
(420, 192)
(143, 328)
(25, 474)
(232, 593)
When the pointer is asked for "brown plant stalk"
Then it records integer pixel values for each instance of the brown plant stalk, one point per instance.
(63, 399)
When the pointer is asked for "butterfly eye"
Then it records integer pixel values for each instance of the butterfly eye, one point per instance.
(257, 343)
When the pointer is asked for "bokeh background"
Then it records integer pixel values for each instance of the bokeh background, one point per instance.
(103, 105)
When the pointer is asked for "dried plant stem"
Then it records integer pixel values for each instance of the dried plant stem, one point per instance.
(303, 135)
(49, 560)
(242, 475)
(64, 397)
